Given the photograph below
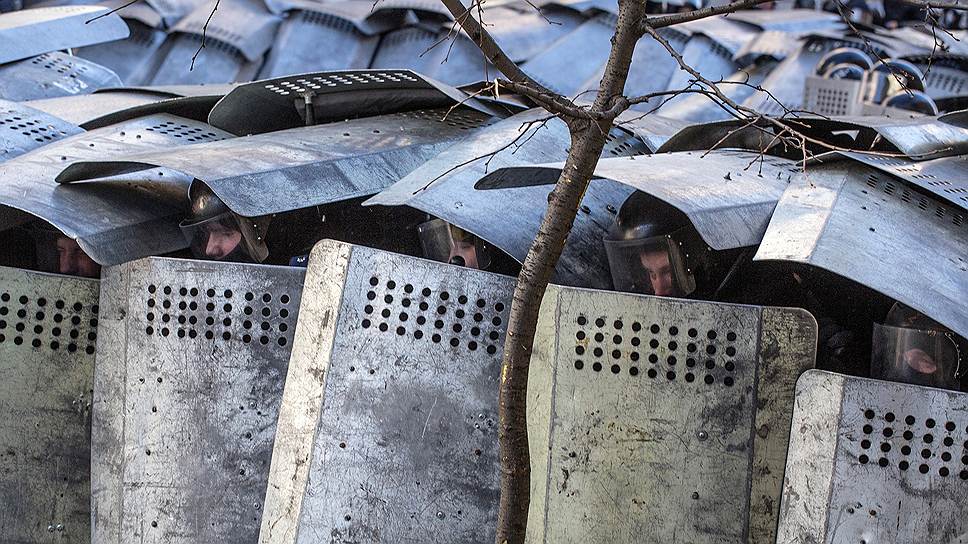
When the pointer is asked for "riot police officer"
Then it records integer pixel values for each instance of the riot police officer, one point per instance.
(911, 347)
(444, 242)
(215, 233)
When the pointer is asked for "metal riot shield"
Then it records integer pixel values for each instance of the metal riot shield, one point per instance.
(48, 330)
(277, 172)
(234, 44)
(350, 42)
(113, 223)
(946, 178)
(28, 128)
(112, 106)
(867, 226)
(187, 388)
(387, 430)
(874, 461)
(560, 67)
(53, 74)
(281, 103)
(133, 60)
(508, 218)
(660, 420)
(28, 33)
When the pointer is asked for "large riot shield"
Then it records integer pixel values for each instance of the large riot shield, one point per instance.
(875, 461)
(48, 329)
(387, 430)
(189, 379)
(660, 420)
(53, 74)
(29, 128)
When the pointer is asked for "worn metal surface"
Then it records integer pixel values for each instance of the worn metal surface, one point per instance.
(187, 390)
(791, 20)
(944, 76)
(728, 195)
(946, 178)
(387, 430)
(114, 223)
(874, 461)
(857, 222)
(48, 330)
(134, 59)
(235, 43)
(310, 26)
(113, 106)
(277, 104)
(424, 48)
(559, 69)
(699, 108)
(23, 128)
(656, 417)
(53, 74)
(28, 33)
(81, 109)
(281, 171)
(509, 218)
(705, 55)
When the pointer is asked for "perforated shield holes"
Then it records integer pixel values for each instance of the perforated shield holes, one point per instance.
(657, 351)
(411, 351)
(662, 404)
(23, 128)
(181, 130)
(48, 329)
(389, 78)
(194, 378)
(876, 461)
(434, 315)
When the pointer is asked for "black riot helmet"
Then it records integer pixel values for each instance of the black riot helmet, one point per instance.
(653, 249)
(891, 77)
(843, 55)
(214, 232)
(911, 347)
(447, 243)
(915, 101)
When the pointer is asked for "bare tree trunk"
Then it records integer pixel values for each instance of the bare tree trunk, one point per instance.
(587, 142)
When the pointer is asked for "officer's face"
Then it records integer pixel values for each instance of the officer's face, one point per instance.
(463, 252)
(73, 261)
(920, 361)
(659, 269)
(221, 242)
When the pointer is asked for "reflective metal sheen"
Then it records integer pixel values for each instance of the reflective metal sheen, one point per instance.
(865, 225)
(31, 32)
(653, 419)
(23, 128)
(48, 330)
(874, 461)
(53, 74)
(388, 425)
(189, 377)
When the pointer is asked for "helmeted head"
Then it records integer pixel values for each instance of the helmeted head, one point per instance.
(214, 232)
(910, 347)
(73, 261)
(444, 242)
(650, 248)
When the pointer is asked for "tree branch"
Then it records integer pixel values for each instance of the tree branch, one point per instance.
(662, 21)
(937, 5)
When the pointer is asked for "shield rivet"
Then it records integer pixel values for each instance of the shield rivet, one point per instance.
(702, 435)
(695, 495)
(440, 515)
(610, 208)
(60, 526)
(50, 528)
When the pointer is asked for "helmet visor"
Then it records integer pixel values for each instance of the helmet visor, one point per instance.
(218, 238)
(922, 357)
(651, 266)
(448, 243)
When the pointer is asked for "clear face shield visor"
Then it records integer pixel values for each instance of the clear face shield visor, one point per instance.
(451, 244)
(922, 357)
(217, 238)
(650, 266)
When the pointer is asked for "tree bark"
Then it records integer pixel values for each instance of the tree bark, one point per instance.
(587, 142)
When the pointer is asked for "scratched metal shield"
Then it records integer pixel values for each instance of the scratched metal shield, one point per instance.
(51, 75)
(187, 389)
(48, 330)
(23, 128)
(387, 430)
(660, 420)
(875, 461)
